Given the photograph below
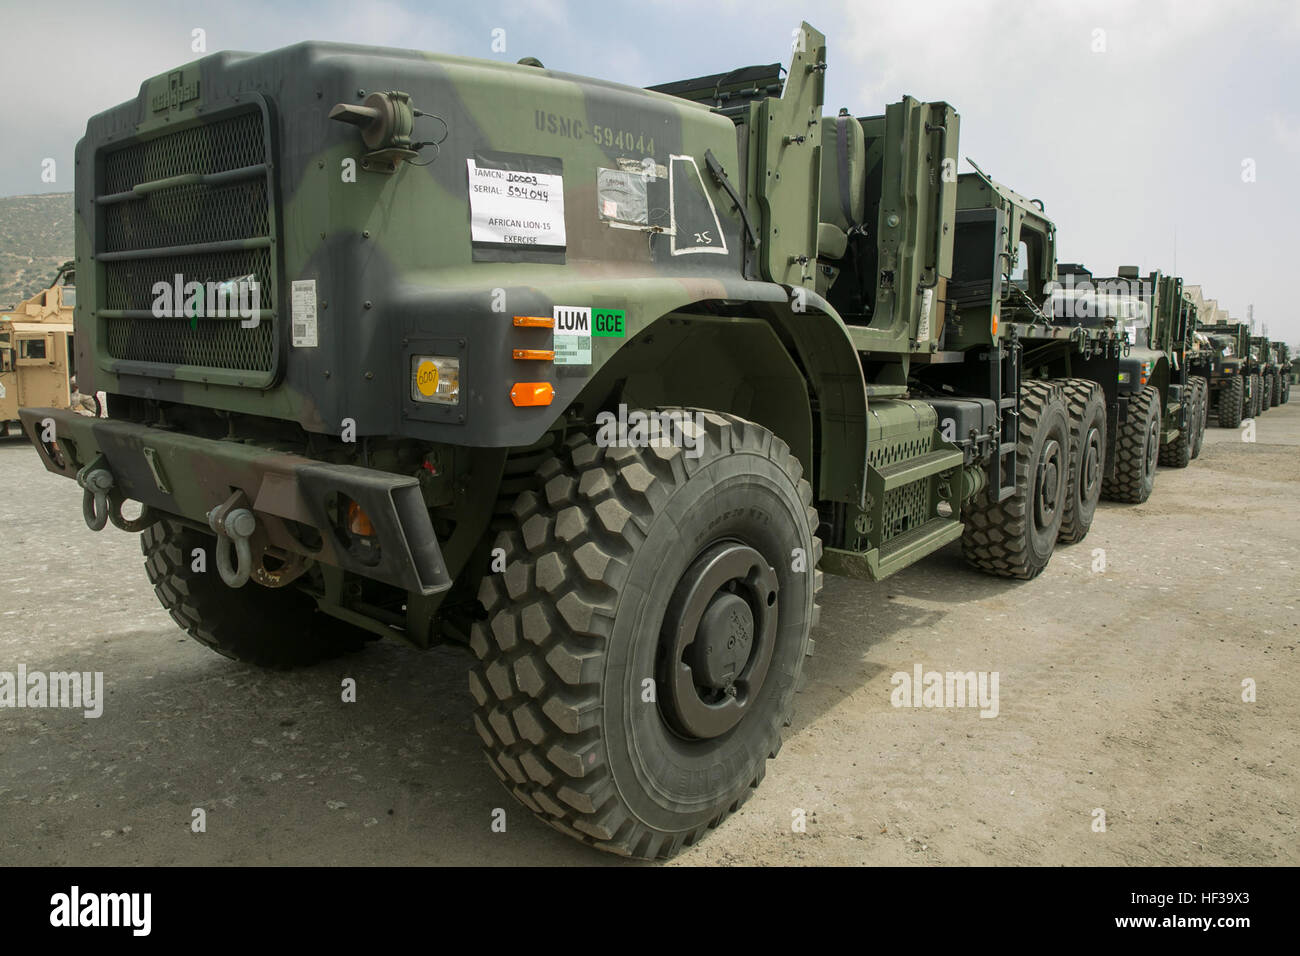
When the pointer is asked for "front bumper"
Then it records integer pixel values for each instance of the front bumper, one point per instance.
(297, 501)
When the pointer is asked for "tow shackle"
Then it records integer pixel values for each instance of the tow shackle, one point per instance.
(96, 482)
(233, 527)
(101, 501)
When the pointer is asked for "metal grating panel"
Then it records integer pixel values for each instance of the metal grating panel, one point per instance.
(129, 284)
(208, 343)
(906, 508)
(210, 147)
(188, 214)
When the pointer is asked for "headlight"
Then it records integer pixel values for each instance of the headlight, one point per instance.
(435, 378)
(1125, 377)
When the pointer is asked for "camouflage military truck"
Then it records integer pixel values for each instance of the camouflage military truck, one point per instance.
(1227, 366)
(588, 378)
(1158, 409)
(1158, 363)
(1270, 372)
(35, 350)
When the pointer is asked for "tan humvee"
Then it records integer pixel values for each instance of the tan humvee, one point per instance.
(36, 351)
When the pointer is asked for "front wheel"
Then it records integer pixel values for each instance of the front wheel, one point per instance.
(277, 628)
(641, 648)
(1137, 448)
(1232, 403)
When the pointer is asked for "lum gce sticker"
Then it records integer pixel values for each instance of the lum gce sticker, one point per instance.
(572, 335)
(516, 205)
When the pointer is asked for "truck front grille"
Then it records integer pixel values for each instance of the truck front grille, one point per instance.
(194, 202)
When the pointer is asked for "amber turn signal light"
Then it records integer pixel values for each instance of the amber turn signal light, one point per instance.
(359, 521)
(525, 394)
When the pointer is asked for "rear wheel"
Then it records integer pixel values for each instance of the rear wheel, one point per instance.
(1087, 410)
(1015, 538)
(270, 627)
(1232, 403)
(642, 646)
(1136, 449)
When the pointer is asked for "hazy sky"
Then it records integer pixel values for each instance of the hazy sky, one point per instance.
(1135, 122)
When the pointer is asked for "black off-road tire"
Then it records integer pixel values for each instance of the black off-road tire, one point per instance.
(1086, 406)
(1015, 538)
(574, 634)
(1286, 389)
(1178, 453)
(1137, 448)
(1265, 393)
(1202, 400)
(1232, 403)
(1256, 398)
(277, 628)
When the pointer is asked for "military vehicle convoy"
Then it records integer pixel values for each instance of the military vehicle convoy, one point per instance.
(35, 350)
(592, 379)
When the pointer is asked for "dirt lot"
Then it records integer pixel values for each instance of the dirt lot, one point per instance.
(1120, 691)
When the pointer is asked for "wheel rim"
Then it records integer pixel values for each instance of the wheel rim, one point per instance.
(1153, 445)
(717, 639)
(1048, 500)
(1090, 468)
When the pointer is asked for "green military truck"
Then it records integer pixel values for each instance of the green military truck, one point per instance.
(1270, 368)
(1161, 407)
(1226, 364)
(587, 378)
(1159, 360)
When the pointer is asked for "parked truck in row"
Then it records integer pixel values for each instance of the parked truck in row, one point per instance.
(1231, 371)
(591, 379)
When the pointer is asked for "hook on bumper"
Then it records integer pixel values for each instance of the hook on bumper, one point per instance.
(96, 482)
(233, 526)
(101, 501)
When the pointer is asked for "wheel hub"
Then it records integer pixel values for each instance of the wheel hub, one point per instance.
(1091, 463)
(717, 640)
(1049, 483)
(722, 642)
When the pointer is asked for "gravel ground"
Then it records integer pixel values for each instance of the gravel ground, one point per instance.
(1120, 691)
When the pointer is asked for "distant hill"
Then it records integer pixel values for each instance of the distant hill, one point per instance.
(36, 237)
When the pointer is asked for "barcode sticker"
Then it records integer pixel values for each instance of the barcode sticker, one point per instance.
(303, 301)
